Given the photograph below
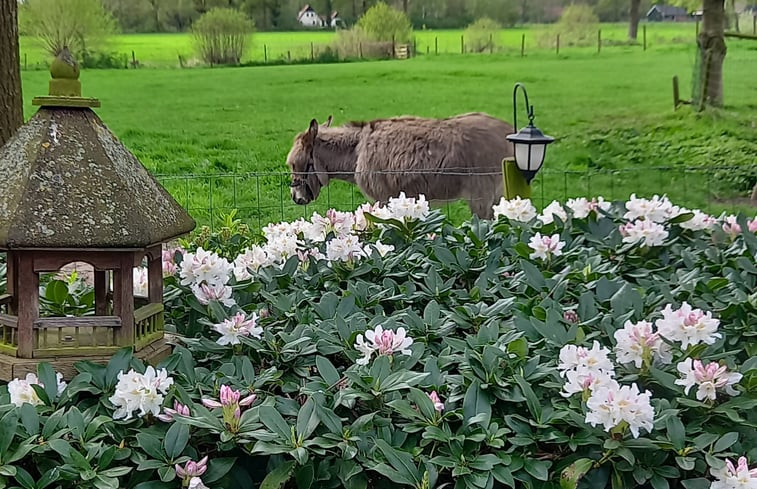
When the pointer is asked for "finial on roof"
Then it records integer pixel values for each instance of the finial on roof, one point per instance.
(65, 87)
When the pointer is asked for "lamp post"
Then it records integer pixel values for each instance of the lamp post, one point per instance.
(530, 146)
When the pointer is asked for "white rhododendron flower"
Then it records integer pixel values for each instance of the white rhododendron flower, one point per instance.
(649, 233)
(612, 404)
(734, 477)
(251, 259)
(516, 209)
(576, 357)
(553, 209)
(545, 246)
(382, 249)
(204, 267)
(344, 249)
(582, 207)
(656, 209)
(238, 325)
(585, 369)
(403, 207)
(206, 293)
(699, 222)
(276, 230)
(142, 393)
(140, 281)
(382, 342)
(282, 247)
(708, 379)
(585, 380)
(21, 390)
(688, 326)
(639, 344)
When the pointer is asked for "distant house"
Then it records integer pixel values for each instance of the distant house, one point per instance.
(309, 17)
(667, 13)
(334, 20)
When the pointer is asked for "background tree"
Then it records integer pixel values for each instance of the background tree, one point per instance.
(222, 36)
(177, 15)
(708, 86)
(634, 14)
(384, 23)
(78, 24)
(482, 35)
(578, 25)
(11, 106)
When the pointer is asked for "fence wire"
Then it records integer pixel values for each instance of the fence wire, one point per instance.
(264, 197)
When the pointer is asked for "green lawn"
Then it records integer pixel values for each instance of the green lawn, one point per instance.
(163, 50)
(609, 112)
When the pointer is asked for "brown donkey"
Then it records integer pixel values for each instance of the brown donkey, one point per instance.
(444, 159)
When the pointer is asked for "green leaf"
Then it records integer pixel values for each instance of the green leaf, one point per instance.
(676, 432)
(176, 440)
(47, 377)
(119, 363)
(686, 463)
(538, 469)
(24, 478)
(48, 478)
(659, 482)
(400, 461)
(571, 474)
(726, 441)
(8, 425)
(151, 445)
(217, 468)
(531, 400)
(278, 476)
(29, 418)
(476, 402)
(307, 419)
(56, 292)
(304, 476)
(155, 485)
(698, 483)
(273, 420)
(327, 370)
(534, 277)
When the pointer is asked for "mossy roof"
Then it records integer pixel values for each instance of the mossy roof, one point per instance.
(68, 182)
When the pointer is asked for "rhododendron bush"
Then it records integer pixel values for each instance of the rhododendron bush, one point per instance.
(592, 344)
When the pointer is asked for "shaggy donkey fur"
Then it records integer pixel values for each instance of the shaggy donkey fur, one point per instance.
(445, 159)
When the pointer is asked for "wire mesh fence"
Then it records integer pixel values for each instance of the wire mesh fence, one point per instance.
(264, 197)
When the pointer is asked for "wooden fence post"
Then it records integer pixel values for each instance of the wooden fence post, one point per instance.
(312, 51)
(754, 25)
(557, 43)
(415, 46)
(491, 43)
(360, 49)
(394, 47)
(599, 41)
(289, 56)
(523, 45)
(462, 44)
(644, 30)
(25, 65)
(265, 53)
(436, 45)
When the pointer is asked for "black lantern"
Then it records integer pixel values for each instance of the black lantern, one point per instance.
(530, 143)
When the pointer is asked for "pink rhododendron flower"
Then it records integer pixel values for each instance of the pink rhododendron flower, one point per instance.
(383, 342)
(708, 379)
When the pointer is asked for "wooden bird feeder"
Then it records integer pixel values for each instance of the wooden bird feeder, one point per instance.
(72, 192)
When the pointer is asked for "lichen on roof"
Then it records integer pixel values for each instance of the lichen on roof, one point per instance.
(69, 183)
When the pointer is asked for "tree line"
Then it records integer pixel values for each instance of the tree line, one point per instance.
(178, 15)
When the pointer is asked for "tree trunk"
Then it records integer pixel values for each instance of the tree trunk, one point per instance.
(11, 103)
(404, 6)
(712, 51)
(633, 19)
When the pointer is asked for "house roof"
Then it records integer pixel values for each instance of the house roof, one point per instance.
(70, 183)
(306, 8)
(668, 10)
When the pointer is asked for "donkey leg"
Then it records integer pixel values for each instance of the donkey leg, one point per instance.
(481, 206)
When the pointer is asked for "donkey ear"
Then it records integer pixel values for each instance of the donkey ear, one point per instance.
(313, 129)
(328, 121)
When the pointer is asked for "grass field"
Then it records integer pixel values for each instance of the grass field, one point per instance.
(163, 50)
(609, 112)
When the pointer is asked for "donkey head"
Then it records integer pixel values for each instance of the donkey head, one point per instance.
(308, 176)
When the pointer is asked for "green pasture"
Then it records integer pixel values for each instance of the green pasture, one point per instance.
(611, 113)
(163, 50)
